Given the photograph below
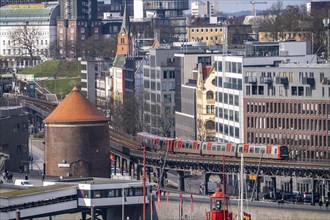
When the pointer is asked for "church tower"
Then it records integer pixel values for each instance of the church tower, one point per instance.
(124, 39)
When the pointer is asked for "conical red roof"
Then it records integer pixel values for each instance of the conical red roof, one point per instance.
(75, 108)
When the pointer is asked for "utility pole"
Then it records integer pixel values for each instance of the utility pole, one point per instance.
(144, 183)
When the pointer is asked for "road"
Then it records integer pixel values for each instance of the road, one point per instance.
(37, 152)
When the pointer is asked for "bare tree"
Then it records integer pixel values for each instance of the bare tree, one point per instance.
(205, 132)
(165, 122)
(102, 47)
(124, 115)
(24, 40)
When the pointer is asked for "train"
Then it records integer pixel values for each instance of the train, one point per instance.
(205, 148)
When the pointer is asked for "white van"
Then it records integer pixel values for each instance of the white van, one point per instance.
(24, 183)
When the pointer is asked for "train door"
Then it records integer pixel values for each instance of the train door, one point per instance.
(228, 149)
(246, 148)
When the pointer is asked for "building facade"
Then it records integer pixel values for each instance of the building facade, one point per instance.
(210, 34)
(289, 105)
(93, 80)
(35, 23)
(14, 138)
(77, 22)
(159, 91)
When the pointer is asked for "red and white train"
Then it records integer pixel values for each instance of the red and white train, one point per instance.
(173, 145)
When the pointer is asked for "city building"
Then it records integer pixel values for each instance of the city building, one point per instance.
(35, 23)
(159, 92)
(186, 76)
(289, 105)
(167, 18)
(210, 34)
(93, 83)
(201, 9)
(14, 138)
(205, 100)
(77, 22)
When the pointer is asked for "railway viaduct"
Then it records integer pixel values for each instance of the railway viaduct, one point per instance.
(130, 157)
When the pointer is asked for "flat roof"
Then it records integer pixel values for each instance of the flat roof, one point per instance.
(34, 190)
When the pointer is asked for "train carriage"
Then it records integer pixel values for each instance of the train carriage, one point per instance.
(219, 149)
(187, 147)
(153, 142)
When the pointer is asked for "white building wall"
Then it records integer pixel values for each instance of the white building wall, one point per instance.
(138, 9)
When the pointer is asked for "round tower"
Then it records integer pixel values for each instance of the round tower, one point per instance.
(76, 139)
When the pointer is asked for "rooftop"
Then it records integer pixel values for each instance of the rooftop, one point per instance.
(75, 108)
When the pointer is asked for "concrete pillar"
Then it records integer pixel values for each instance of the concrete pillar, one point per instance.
(206, 178)
(115, 170)
(130, 168)
(83, 215)
(162, 180)
(149, 174)
(274, 186)
(258, 187)
(122, 165)
(291, 186)
(181, 181)
(18, 215)
(314, 181)
(92, 213)
(138, 172)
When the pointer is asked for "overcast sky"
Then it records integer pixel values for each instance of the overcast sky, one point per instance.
(228, 6)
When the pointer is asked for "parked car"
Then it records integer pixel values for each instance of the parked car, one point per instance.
(24, 183)
(308, 198)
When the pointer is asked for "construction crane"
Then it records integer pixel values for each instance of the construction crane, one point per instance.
(253, 3)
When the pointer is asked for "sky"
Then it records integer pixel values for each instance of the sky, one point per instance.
(229, 6)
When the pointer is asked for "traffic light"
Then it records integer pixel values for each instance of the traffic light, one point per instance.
(218, 204)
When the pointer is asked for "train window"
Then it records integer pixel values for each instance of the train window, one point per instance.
(233, 149)
(262, 150)
(223, 148)
(240, 149)
(214, 147)
(251, 149)
(204, 146)
(257, 150)
(275, 151)
(218, 148)
(198, 146)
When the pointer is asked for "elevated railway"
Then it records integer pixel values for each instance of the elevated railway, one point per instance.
(125, 146)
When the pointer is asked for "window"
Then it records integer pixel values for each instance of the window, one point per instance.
(209, 95)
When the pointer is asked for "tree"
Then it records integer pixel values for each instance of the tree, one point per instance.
(124, 115)
(102, 47)
(164, 121)
(24, 40)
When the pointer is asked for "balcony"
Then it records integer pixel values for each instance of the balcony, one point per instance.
(251, 79)
(266, 80)
(282, 80)
(308, 81)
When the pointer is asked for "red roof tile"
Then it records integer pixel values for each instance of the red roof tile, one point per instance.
(75, 108)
